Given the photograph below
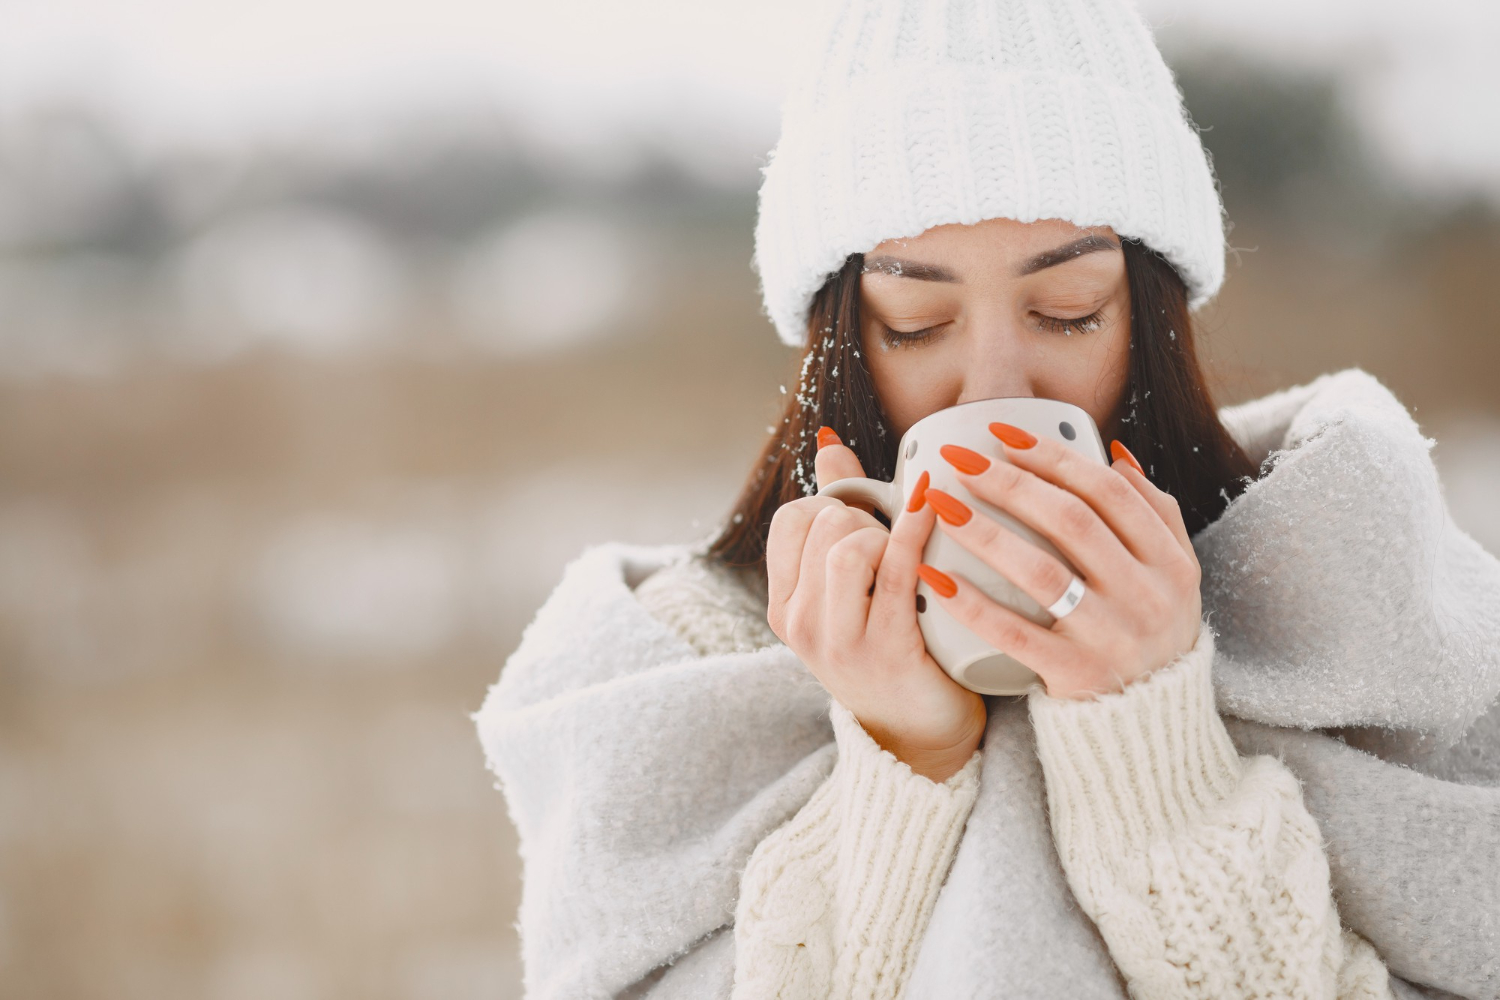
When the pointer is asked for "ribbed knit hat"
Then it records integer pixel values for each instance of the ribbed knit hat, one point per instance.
(917, 113)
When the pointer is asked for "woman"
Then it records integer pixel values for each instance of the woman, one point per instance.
(662, 736)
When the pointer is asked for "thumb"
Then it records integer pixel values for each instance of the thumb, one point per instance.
(834, 460)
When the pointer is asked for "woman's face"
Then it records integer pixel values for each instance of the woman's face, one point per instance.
(999, 308)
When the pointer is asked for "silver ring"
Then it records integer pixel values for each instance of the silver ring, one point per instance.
(1064, 605)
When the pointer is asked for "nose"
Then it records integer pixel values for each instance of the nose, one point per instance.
(996, 366)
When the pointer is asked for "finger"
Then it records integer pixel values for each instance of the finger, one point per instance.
(784, 544)
(834, 460)
(1117, 501)
(851, 567)
(1040, 575)
(1056, 513)
(829, 525)
(896, 578)
(1162, 503)
(1047, 653)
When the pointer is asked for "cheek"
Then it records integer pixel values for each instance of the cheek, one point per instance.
(1092, 372)
(909, 382)
(1104, 379)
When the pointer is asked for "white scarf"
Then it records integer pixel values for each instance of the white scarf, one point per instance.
(640, 775)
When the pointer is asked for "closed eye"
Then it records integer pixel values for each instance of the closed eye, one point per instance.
(890, 339)
(1067, 327)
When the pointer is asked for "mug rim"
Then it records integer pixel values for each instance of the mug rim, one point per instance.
(993, 399)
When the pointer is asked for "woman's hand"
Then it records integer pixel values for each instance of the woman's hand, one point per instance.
(1142, 608)
(843, 598)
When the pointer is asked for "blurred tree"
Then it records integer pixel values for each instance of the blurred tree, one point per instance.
(68, 181)
(1285, 144)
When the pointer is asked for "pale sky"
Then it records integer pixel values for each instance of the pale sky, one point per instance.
(706, 72)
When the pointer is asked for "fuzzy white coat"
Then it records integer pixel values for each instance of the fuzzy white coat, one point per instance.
(1359, 641)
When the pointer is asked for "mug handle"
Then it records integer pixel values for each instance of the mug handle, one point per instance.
(883, 497)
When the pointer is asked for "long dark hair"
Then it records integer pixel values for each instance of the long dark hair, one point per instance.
(1172, 426)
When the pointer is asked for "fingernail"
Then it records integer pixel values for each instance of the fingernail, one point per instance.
(937, 580)
(826, 437)
(968, 462)
(1118, 450)
(949, 508)
(1012, 435)
(918, 493)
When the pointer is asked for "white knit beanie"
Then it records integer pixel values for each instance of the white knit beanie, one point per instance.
(918, 113)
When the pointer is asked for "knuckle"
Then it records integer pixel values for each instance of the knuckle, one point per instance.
(847, 556)
(820, 528)
(873, 539)
(1011, 638)
(850, 520)
(789, 511)
(1005, 475)
(1064, 459)
(1187, 571)
(1076, 517)
(800, 630)
(997, 627)
(890, 584)
(1050, 575)
(1118, 490)
(831, 516)
(790, 514)
(1155, 605)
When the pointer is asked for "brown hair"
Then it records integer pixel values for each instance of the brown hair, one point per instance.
(1172, 426)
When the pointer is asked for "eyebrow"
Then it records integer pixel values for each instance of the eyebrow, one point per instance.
(895, 266)
(1090, 243)
(909, 269)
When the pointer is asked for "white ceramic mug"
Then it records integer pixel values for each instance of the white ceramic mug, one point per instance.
(968, 659)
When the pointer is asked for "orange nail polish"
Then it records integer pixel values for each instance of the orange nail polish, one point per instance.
(968, 462)
(937, 580)
(827, 436)
(1012, 435)
(1118, 450)
(918, 493)
(949, 508)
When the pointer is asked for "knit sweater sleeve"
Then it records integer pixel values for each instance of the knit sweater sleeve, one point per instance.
(834, 903)
(1203, 870)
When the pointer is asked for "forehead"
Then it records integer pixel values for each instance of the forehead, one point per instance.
(1005, 238)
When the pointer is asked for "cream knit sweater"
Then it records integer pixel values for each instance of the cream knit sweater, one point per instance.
(1202, 870)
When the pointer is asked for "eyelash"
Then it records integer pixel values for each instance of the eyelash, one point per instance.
(1067, 327)
(1083, 324)
(902, 338)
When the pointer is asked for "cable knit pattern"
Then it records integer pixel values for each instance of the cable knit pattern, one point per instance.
(642, 775)
(715, 608)
(834, 903)
(1203, 870)
(910, 115)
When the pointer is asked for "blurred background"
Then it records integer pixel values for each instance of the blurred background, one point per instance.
(322, 324)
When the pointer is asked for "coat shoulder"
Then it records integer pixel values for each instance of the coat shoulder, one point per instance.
(715, 608)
